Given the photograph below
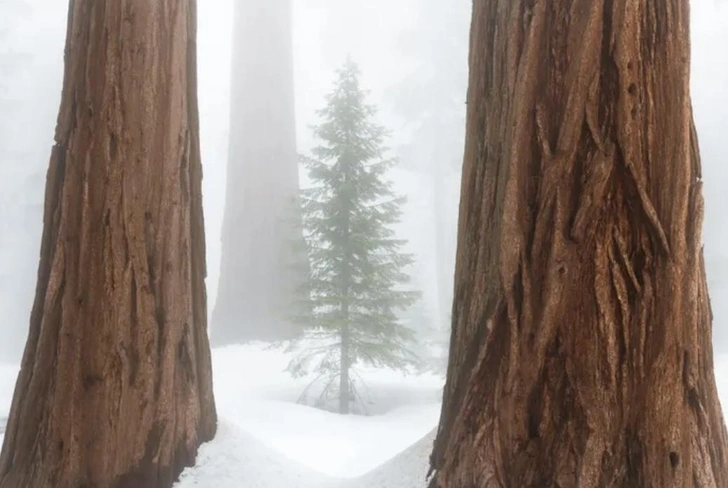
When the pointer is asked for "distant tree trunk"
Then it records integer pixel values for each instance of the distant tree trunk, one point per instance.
(581, 352)
(345, 362)
(115, 388)
(344, 366)
(258, 275)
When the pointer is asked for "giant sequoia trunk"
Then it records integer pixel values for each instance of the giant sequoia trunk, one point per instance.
(581, 352)
(260, 268)
(115, 387)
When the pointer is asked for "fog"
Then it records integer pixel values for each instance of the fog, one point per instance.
(412, 55)
(413, 59)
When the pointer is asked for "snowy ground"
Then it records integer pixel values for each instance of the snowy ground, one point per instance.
(255, 395)
(266, 440)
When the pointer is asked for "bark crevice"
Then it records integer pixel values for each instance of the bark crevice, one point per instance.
(115, 386)
(580, 352)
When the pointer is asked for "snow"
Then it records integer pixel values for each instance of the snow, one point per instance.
(402, 410)
(407, 470)
(237, 459)
(266, 440)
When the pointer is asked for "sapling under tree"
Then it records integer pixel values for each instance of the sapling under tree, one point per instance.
(357, 275)
(581, 344)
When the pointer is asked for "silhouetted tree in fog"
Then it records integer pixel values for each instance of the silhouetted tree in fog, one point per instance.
(115, 387)
(260, 269)
(432, 100)
(581, 344)
(357, 267)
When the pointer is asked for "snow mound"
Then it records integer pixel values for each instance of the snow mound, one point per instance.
(406, 470)
(253, 392)
(235, 459)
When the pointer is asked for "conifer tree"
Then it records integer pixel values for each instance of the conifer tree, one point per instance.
(357, 275)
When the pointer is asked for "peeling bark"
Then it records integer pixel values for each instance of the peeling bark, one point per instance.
(261, 268)
(115, 386)
(581, 346)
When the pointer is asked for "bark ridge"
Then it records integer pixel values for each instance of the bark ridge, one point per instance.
(115, 387)
(581, 344)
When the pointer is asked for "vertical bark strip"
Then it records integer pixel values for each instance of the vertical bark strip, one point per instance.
(115, 387)
(260, 269)
(581, 344)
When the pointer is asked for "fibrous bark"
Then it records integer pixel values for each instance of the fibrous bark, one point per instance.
(261, 267)
(115, 387)
(581, 352)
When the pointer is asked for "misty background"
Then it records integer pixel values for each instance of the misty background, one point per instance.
(413, 58)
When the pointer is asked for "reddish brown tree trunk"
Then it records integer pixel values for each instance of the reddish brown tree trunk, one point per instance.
(261, 265)
(115, 387)
(581, 352)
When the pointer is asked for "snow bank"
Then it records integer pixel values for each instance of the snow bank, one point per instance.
(406, 470)
(254, 393)
(266, 440)
(235, 459)
(318, 443)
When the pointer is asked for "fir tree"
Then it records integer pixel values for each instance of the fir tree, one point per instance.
(357, 275)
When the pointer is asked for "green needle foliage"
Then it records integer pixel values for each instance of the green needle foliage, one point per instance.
(356, 288)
